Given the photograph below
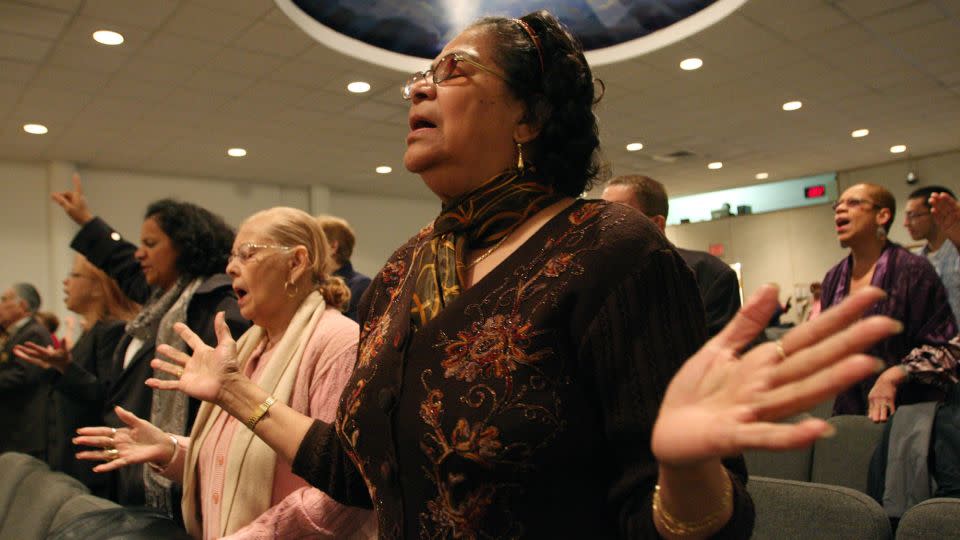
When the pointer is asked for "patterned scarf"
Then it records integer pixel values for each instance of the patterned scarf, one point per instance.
(480, 219)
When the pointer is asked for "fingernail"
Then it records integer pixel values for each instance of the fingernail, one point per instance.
(880, 366)
(829, 433)
(898, 327)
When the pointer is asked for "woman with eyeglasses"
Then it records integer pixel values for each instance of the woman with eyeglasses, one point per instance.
(79, 370)
(515, 353)
(176, 274)
(301, 350)
(914, 296)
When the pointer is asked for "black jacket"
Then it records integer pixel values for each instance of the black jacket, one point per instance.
(106, 249)
(25, 414)
(719, 287)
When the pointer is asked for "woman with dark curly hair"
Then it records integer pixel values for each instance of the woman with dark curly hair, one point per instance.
(514, 354)
(177, 275)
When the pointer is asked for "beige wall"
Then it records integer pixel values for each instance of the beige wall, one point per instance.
(795, 247)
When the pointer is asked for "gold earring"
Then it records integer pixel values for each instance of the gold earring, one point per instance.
(520, 164)
(286, 289)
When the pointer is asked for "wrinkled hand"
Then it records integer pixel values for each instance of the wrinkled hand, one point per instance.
(73, 202)
(720, 404)
(884, 393)
(46, 357)
(203, 375)
(946, 210)
(139, 442)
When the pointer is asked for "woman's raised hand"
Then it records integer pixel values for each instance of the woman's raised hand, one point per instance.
(201, 376)
(73, 202)
(46, 357)
(720, 404)
(139, 442)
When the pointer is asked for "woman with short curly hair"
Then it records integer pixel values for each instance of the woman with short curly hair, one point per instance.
(177, 275)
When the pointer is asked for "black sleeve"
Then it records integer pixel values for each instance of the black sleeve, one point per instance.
(15, 373)
(85, 378)
(721, 301)
(323, 463)
(108, 251)
(644, 331)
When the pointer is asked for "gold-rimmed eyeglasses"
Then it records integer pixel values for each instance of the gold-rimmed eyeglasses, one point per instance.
(441, 71)
(245, 252)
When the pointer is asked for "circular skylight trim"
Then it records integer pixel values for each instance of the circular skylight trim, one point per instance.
(681, 29)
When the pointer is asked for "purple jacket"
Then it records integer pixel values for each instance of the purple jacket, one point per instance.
(916, 298)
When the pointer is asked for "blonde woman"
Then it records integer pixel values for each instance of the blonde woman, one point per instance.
(81, 370)
(302, 348)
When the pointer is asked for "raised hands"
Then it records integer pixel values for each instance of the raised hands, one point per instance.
(720, 404)
(946, 210)
(46, 357)
(73, 202)
(139, 442)
(203, 375)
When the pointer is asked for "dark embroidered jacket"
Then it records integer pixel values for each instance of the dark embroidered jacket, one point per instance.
(525, 408)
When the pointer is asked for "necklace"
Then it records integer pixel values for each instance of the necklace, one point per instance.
(487, 252)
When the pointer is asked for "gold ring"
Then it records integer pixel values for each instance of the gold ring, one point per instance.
(780, 352)
(113, 452)
(179, 372)
(113, 432)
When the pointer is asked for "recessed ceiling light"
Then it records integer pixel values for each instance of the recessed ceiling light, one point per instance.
(715, 165)
(634, 146)
(35, 129)
(691, 64)
(762, 176)
(358, 87)
(792, 105)
(237, 152)
(383, 169)
(107, 37)
(857, 133)
(898, 149)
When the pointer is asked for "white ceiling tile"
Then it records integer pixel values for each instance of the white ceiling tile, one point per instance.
(869, 8)
(125, 87)
(12, 71)
(180, 49)
(23, 48)
(60, 5)
(274, 39)
(904, 18)
(277, 16)
(275, 92)
(80, 31)
(333, 102)
(216, 81)
(252, 9)
(32, 21)
(157, 70)
(803, 18)
(183, 99)
(88, 57)
(248, 63)
(146, 14)
(59, 78)
(206, 24)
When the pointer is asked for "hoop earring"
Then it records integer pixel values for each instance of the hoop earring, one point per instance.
(520, 164)
(286, 289)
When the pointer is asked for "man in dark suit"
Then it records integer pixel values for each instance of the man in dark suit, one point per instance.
(718, 283)
(24, 388)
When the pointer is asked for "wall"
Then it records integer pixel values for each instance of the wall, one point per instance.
(795, 247)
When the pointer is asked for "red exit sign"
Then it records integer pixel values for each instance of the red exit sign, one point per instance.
(813, 192)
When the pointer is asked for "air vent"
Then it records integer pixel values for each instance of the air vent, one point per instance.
(673, 157)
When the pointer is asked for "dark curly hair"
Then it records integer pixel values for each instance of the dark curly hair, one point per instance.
(560, 99)
(202, 239)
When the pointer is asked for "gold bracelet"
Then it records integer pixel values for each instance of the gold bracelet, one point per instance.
(686, 528)
(259, 412)
(176, 446)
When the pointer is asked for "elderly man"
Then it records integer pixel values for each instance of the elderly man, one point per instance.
(718, 283)
(24, 389)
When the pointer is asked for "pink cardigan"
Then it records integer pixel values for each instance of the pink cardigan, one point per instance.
(297, 510)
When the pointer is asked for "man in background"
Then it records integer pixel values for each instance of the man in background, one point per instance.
(341, 238)
(24, 388)
(941, 254)
(718, 283)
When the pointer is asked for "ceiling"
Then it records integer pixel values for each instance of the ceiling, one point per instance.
(196, 77)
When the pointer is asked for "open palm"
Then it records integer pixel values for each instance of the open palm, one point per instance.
(46, 357)
(139, 442)
(201, 375)
(720, 404)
